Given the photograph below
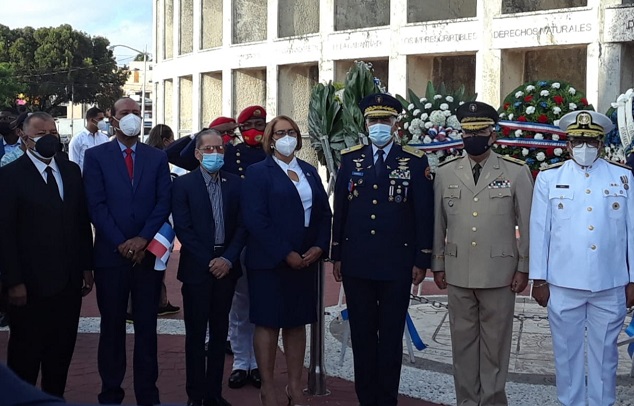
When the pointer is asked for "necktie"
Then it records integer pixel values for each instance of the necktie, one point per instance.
(476, 172)
(379, 166)
(129, 163)
(51, 182)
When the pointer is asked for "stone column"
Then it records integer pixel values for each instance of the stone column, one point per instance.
(488, 61)
(397, 61)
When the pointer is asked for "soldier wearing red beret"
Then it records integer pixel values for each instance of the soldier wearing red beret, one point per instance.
(226, 126)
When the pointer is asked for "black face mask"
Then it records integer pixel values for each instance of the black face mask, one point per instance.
(47, 146)
(476, 145)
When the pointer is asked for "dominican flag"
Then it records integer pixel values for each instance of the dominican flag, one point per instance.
(161, 246)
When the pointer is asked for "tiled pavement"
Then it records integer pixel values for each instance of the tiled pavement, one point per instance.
(84, 383)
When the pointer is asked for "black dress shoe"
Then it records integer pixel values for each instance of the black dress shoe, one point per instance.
(238, 378)
(255, 378)
(228, 349)
(191, 402)
(219, 401)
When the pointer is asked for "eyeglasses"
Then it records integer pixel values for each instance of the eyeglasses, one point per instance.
(209, 149)
(592, 142)
(282, 133)
(257, 124)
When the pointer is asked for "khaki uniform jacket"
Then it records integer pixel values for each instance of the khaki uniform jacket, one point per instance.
(474, 227)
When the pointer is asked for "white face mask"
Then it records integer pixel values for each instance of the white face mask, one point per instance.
(130, 125)
(286, 145)
(585, 155)
(102, 126)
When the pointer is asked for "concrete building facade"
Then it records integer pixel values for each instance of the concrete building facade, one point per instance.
(214, 57)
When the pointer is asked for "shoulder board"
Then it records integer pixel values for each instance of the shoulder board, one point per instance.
(629, 168)
(511, 159)
(413, 151)
(352, 148)
(449, 160)
(553, 166)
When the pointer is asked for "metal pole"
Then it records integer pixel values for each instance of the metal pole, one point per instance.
(143, 93)
(317, 370)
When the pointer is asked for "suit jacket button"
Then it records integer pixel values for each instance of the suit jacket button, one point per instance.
(375, 202)
(373, 217)
(473, 243)
(240, 169)
(242, 176)
(474, 229)
(372, 232)
(475, 199)
(475, 214)
(237, 161)
(375, 187)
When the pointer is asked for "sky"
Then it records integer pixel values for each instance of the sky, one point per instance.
(126, 22)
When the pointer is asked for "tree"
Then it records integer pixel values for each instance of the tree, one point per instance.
(139, 57)
(9, 86)
(58, 64)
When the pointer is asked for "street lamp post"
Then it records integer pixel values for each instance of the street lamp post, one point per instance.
(111, 47)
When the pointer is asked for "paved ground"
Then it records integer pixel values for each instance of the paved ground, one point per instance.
(83, 384)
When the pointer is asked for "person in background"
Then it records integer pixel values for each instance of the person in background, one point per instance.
(46, 251)
(206, 211)
(582, 254)
(161, 136)
(226, 126)
(94, 133)
(288, 218)
(381, 244)
(128, 188)
(238, 158)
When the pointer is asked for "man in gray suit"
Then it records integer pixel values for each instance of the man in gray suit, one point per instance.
(478, 201)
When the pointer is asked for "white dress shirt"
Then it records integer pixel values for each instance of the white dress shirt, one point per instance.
(303, 187)
(41, 168)
(386, 149)
(81, 142)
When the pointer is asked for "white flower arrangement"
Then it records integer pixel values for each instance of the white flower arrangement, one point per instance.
(530, 88)
(540, 156)
(543, 165)
(530, 110)
(437, 97)
(511, 116)
(556, 123)
(572, 106)
(555, 137)
(444, 106)
(461, 103)
(556, 85)
(437, 117)
(428, 106)
(519, 94)
(557, 110)
(446, 113)
(416, 112)
(423, 100)
(558, 151)
(538, 136)
(572, 90)
(449, 99)
(405, 126)
(410, 107)
(519, 133)
(424, 116)
(525, 151)
(544, 93)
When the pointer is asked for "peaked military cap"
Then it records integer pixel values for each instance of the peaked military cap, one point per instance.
(475, 115)
(586, 124)
(380, 105)
(252, 112)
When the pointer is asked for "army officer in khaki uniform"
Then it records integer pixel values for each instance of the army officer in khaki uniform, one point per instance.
(478, 201)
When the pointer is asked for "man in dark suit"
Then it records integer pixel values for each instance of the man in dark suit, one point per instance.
(46, 251)
(206, 206)
(128, 190)
(381, 244)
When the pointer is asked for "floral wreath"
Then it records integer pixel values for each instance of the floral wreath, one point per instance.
(618, 142)
(430, 123)
(529, 119)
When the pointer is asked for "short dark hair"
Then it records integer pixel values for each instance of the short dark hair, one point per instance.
(206, 131)
(93, 112)
(267, 140)
(40, 115)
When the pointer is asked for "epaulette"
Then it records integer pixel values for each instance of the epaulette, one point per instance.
(629, 168)
(445, 162)
(553, 166)
(352, 148)
(511, 159)
(413, 151)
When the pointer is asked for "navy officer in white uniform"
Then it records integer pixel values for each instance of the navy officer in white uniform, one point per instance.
(581, 242)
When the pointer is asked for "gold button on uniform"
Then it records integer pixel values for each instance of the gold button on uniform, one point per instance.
(475, 199)
(237, 154)
(237, 161)
(372, 232)
(587, 175)
(473, 243)
(590, 228)
(375, 202)
(589, 209)
(240, 169)
(588, 191)
(474, 229)
(373, 217)
(475, 214)
(375, 187)
(242, 176)
(593, 247)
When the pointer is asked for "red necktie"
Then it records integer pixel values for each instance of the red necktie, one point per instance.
(128, 162)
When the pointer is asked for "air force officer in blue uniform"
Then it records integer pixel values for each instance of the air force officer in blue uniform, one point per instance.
(382, 242)
(582, 253)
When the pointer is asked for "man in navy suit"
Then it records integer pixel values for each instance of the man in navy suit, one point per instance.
(381, 244)
(128, 189)
(206, 207)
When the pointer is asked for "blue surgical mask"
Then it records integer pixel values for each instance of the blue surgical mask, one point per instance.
(380, 134)
(213, 162)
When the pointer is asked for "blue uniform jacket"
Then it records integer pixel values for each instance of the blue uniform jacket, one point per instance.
(119, 208)
(195, 228)
(274, 215)
(382, 227)
(239, 157)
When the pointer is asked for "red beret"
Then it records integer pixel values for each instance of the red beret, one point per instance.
(252, 112)
(221, 120)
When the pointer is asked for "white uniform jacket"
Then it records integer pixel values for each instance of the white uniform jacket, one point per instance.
(582, 226)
